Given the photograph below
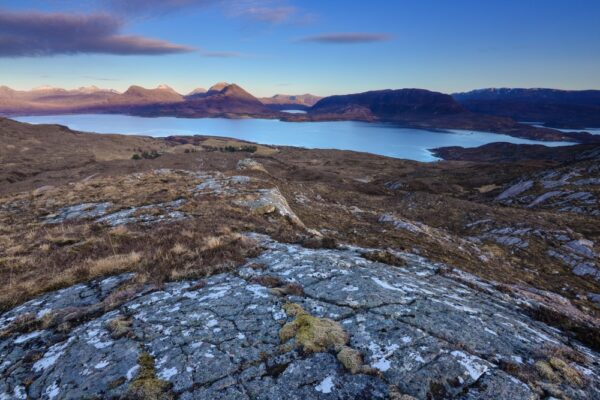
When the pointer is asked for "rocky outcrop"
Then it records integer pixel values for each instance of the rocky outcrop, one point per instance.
(267, 201)
(223, 338)
(572, 188)
(562, 246)
(99, 212)
(248, 164)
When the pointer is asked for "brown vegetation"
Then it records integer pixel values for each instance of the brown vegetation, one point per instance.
(339, 196)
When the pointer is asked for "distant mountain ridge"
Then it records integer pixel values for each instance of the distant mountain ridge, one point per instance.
(220, 99)
(392, 104)
(424, 109)
(139, 95)
(418, 108)
(286, 101)
(554, 107)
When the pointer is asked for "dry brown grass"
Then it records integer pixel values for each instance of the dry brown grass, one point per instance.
(160, 254)
(444, 196)
(211, 242)
(119, 231)
(113, 264)
(180, 249)
(36, 258)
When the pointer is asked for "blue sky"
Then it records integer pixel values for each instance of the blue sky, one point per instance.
(292, 46)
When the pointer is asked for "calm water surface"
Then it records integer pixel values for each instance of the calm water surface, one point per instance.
(378, 138)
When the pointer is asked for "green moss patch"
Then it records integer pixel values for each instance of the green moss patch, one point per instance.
(147, 385)
(313, 335)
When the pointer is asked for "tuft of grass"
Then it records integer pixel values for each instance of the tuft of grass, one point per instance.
(568, 373)
(119, 231)
(319, 242)
(546, 371)
(180, 249)
(119, 327)
(292, 288)
(211, 242)
(267, 281)
(61, 241)
(384, 257)
(114, 264)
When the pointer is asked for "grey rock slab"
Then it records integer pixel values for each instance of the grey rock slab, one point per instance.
(594, 298)
(515, 190)
(271, 197)
(137, 214)
(546, 196)
(220, 184)
(319, 376)
(400, 223)
(78, 211)
(422, 331)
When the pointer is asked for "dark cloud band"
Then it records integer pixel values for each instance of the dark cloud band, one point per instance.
(347, 38)
(268, 11)
(41, 34)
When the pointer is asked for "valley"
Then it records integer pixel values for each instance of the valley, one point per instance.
(409, 108)
(95, 242)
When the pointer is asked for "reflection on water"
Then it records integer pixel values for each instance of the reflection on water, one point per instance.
(294, 111)
(378, 138)
(593, 131)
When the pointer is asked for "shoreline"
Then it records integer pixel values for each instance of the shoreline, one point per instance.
(361, 138)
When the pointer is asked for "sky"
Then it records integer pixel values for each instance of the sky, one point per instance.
(321, 47)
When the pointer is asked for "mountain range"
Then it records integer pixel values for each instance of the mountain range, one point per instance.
(425, 109)
(558, 108)
(417, 108)
(286, 101)
(220, 98)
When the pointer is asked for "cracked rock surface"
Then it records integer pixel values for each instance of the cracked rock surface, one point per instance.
(567, 189)
(423, 332)
(100, 212)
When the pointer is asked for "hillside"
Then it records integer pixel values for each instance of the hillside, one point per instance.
(228, 100)
(424, 109)
(560, 108)
(404, 104)
(215, 266)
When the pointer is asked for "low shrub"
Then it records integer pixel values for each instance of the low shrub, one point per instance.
(234, 149)
(146, 155)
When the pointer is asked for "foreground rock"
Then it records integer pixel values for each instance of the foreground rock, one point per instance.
(413, 330)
